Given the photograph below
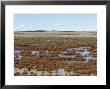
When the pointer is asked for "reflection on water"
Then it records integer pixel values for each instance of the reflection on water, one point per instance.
(83, 52)
(34, 72)
(17, 54)
(60, 72)
(34, 52)
(66, 56)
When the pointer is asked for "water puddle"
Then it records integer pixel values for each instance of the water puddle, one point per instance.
(39, 53)
(17, 54)
(60, 72)
(83, 52)
(46, 52)
(34, 72)
(34, 52)
(66, 56)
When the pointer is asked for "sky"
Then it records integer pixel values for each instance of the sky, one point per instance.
(58, 22)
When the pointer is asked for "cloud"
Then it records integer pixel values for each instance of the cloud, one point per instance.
(59, 24)
(82, 23)
(19, 27)
(91, 23)
(22, 25)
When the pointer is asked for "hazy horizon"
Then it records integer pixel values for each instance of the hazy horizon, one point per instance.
(57, 22)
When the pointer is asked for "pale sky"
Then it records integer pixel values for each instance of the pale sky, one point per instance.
(58, 22)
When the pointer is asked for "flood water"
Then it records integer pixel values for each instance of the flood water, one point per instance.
(17, 54)
(34, 72)
(34, 52)
(81, 50)
(66, 56)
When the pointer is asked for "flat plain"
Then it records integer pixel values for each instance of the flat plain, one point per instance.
(55, 53)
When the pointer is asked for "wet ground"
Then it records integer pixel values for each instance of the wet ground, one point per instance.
(34, 72)
(69, 54)
(81, 51)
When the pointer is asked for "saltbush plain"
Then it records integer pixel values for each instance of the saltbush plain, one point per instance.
(49, 45)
